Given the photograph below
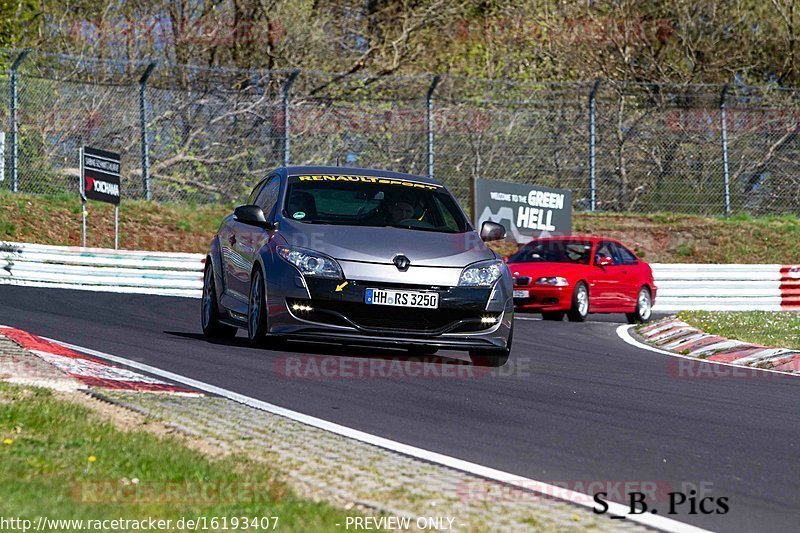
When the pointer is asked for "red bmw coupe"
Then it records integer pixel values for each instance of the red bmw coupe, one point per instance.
(581, 275)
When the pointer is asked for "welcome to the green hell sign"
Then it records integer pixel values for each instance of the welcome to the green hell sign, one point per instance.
(527, 211)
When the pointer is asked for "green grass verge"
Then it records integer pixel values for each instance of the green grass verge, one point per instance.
(56, 219)
(779, 329)
(677, 238)
(45, 450)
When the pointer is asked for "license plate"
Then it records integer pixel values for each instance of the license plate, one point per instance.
(427, 300)
(521, 294)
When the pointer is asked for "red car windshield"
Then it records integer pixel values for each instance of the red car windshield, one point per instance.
(555, 251)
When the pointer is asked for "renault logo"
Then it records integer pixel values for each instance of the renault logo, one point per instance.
(401, 262)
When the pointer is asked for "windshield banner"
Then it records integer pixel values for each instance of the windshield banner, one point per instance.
(371, 179)
(527, 211)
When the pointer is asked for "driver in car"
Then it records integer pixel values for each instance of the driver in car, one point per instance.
(399, 211)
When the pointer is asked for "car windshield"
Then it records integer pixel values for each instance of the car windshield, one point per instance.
(373, 201)
(553, 251)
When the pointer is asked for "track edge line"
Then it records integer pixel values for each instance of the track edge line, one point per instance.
(551, 491)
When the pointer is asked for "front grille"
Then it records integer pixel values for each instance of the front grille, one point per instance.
(388, 318)
(522, 281)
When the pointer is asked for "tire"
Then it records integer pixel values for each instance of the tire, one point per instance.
(209, 309)
(580, 303)
(557, 316)
(257, 311)
(644, 307)
(493, 358)
(423, 350)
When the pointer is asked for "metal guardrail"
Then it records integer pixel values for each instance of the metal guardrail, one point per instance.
(680, 286)
(713, 287)
(99, 269)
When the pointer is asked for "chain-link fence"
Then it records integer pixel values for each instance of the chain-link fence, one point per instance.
(201, 135)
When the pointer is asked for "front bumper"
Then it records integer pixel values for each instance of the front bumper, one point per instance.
(544, 298)
(335, 311)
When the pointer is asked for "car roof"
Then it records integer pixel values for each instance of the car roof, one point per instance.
(592, 238)
(354, 171)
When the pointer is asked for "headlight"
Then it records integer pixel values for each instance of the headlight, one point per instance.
(311, 263)
(554, 281)
(481, 275)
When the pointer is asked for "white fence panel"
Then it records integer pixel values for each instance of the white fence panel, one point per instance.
(98, 269)
(680, 286)
(712, 287)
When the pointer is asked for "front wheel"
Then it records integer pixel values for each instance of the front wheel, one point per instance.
(644, 308)
(422, 350)
(491, 358)
(257, 310)
(209, 309)
(580, 303)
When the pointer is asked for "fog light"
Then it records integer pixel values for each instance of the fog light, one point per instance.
(300, 307)
(488, 319)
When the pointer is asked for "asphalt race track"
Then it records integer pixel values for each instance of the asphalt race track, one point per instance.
(576, 403)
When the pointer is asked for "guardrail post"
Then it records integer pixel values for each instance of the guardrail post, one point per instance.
(429, 107)
(724, 129)
(593, 146)
(287, 86)
(143, 127)
(13, 118)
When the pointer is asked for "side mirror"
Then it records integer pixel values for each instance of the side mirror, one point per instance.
(252, 215)
(605, 261)
(492, 231)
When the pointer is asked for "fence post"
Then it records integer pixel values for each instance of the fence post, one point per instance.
(13, 118)
(143, 127)
(724, 129)
(593, 146)
(429, 106)
(287, 86)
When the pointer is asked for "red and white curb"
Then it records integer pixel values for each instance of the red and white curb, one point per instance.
(790, 287)
(678, 337)
(90, 371)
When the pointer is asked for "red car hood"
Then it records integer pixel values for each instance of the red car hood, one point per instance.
(539, 270)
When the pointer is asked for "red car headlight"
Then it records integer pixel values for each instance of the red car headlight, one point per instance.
(556, 281)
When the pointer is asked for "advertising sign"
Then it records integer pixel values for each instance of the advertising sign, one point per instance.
(100, 181)
(100, 172)
(527, 211)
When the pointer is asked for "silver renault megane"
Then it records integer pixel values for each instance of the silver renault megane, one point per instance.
(357, 256)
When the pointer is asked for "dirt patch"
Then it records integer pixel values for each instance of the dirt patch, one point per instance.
(657, 237)
(126, 419)
(143, 226)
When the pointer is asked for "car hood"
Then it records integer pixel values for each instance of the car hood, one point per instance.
(544, 269)
(381, 245)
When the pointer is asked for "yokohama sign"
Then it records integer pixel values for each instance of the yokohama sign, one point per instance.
(100, 175)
